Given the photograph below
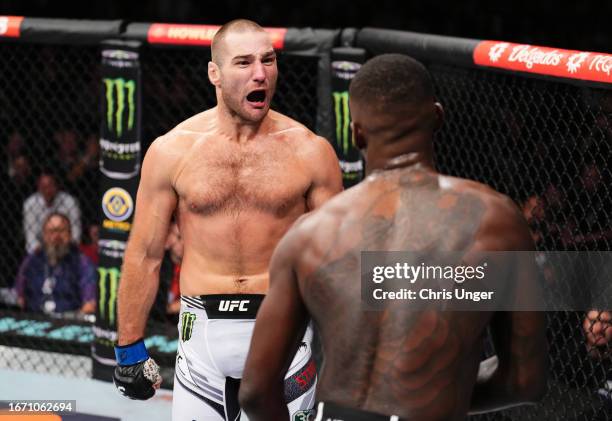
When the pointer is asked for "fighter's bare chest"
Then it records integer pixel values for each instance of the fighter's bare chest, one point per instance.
(272, 182)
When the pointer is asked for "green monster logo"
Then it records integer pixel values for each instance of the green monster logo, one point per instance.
(343, 120)
(110, 277)
(124, 91)
(187, 320)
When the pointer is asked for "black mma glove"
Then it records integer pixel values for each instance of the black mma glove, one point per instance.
(136, 375)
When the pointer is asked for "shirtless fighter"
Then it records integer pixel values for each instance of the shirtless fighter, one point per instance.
(237, 176)
(396, 363)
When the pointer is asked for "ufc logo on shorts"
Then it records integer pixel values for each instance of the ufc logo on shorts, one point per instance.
(226, 305)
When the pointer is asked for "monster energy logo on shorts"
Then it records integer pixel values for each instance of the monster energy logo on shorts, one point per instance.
(187, 320)
(108, 277)
(343, 120)
(124, 92)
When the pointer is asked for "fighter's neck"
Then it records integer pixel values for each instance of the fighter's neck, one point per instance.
(414, 159)
(237, 129)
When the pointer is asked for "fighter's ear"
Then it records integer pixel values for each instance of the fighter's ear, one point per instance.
(359, 140)
(439, 115)
(214, 74)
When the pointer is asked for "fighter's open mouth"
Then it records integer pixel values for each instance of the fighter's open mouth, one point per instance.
(256, 96)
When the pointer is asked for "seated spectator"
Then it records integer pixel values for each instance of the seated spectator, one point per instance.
(87, 163)
(57, 277)
(22, 178)
(66, 153)
(15, 190)
(14, 147)
(84, 181)
(89, 247)
(46, 200)
(597, 326)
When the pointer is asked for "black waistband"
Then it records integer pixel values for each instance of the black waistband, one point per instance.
(226, 306)
(327, 411)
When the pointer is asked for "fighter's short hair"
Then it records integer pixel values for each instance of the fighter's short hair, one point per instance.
(390, 79)
(236, 25)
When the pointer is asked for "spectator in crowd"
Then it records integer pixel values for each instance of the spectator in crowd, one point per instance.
(56, 277)
(83, 178)
(21, 177)
(588, 224)
(15, 146)
(46, 200)
(66, 153)
(72, 163)
(87, 163)
(14, 190)
(589, 200)
(545, 216)
(90, 247)
(597, 327)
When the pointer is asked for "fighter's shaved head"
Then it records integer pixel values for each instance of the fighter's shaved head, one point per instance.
(234, 26)
(391, 79)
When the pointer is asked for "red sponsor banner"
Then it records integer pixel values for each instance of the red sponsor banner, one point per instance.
(177, 34)
(10, 26)
(582, 65)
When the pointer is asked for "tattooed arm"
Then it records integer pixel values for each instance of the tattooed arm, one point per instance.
(519, 337)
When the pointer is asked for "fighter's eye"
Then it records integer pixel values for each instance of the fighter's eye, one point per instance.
(242, 63)
(269, 60)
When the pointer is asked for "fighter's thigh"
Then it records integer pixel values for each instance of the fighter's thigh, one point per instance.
(301, 381)
(303, 405)
(187, 406)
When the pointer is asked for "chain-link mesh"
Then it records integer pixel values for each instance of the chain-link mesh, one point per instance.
(49, 118)
(547, 145)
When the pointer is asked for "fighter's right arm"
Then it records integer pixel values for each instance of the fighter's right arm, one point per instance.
(519, 336)
(155, 203)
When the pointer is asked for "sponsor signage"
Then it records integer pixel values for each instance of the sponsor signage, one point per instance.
(344, 66)
(10, 26)
(120, 150)
(582, 65)
(178, 34)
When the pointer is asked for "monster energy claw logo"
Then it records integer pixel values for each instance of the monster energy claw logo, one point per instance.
(123, 91)
(187, 320)
(109, 277)
(343, 120)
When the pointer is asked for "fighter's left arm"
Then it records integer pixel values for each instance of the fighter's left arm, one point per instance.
(281, 322)
(326, 174)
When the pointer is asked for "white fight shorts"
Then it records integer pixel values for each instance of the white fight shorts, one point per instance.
(214, 337)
